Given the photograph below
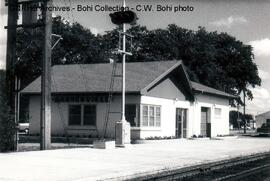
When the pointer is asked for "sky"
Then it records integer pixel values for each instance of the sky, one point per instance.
(247, 20)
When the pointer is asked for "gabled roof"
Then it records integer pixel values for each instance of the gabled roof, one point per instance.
(95, 78)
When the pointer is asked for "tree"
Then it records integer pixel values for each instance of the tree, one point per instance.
(79, 45)
(214, 59)
(234, 115)
(7, 124)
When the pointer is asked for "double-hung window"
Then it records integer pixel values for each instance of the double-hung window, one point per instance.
(82, 115)
(151, 115)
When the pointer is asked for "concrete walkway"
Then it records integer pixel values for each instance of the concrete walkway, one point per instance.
(82, 164)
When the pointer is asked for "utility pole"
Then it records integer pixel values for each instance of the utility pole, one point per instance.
(13, 82)
(244, 111)
(238, 119)
(11, 59)
(45, 122)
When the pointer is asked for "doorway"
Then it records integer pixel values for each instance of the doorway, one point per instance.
(181, 123)
(205, 122)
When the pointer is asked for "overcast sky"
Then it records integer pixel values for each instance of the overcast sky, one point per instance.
(247, 20)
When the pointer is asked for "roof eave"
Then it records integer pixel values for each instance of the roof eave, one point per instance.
(219, 95)
(68, 93)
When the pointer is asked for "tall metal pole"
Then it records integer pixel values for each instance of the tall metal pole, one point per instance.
(124, 69)
(245, 126)
(45, 123)
(11, 59)
(238, 122)
(122, 135)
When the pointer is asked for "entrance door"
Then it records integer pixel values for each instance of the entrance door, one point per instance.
(181, 123)
(205, 122)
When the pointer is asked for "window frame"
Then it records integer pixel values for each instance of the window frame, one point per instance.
(82, 106)
(142, 120)
(69, 120)
(83, 115)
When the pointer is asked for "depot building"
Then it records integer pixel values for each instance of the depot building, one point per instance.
(161, 101)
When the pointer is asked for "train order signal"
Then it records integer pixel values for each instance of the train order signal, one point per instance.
(121, 17)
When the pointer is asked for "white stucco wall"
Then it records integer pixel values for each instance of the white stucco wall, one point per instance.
(60, 117)
(168, 115)
(219, 126)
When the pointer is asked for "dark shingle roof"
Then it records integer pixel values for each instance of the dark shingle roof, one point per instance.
(203, 88)
(95, 78)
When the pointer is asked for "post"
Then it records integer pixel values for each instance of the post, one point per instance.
(124, 71)
(17, 104)
(45, 122)
(238, 122)
(245, 126)
(11, 59)
(122, 135)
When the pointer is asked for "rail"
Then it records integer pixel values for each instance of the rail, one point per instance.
(202, 169)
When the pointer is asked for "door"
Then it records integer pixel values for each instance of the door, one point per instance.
(205, 122)
(131, 114)
(181, 123)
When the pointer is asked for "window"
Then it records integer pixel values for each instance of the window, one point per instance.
(218, 112)
(145, 116)
(157, 116)
(151, 116)
(131, 114)
(268, 122)
(75, 115)
(82, 115)
(89, 116)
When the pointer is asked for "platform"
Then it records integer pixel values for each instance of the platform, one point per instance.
(98, 164)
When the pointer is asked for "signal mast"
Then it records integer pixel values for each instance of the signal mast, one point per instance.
(119, 18)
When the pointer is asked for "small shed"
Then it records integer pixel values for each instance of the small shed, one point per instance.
(263, 118)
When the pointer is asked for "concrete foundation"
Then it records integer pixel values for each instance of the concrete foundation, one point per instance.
(103, 144)
(122, 133)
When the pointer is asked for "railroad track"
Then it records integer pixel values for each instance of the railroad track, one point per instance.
(225, 170)
(245, 173)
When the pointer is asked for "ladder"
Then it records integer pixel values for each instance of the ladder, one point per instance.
(110, 99)
(113, 76)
